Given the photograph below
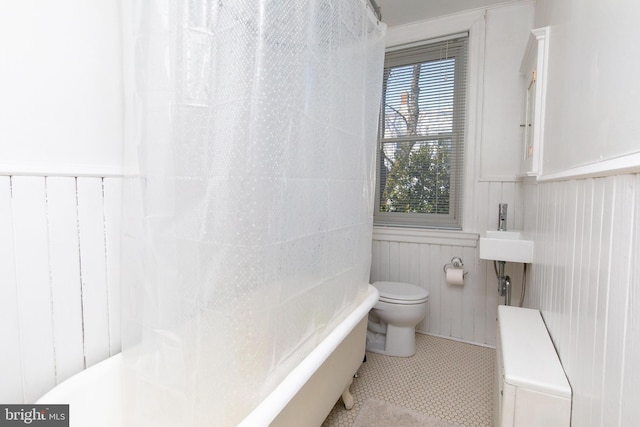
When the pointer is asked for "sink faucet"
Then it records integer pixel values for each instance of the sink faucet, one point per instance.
(502, 217)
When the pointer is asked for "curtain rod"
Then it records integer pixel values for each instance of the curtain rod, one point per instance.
(376, 9)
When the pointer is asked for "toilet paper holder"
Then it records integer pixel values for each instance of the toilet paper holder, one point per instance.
(456, 262)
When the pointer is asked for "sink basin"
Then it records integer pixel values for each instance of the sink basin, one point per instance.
(505, 246)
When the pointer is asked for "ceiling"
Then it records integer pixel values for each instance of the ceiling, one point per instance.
(399, 12)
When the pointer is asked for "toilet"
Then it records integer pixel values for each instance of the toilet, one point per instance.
(391, 328)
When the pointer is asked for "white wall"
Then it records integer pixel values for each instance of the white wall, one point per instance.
(498, 37)
(585, 277)
(592, 96)
(506, 39)
(395, 14)
(61, 116)
(61, 84)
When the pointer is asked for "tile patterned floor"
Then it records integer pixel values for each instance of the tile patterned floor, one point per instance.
(446, 379)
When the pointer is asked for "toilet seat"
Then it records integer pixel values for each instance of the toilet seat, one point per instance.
(401, 293)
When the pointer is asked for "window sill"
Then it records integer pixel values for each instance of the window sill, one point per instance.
(421, 235)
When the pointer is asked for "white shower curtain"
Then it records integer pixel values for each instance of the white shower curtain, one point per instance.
(249, 195)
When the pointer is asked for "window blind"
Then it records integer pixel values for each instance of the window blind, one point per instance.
(421, 135)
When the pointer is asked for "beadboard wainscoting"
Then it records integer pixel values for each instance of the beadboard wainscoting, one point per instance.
(417, 257)
(465, 312)
(586, 282)
(59, 269)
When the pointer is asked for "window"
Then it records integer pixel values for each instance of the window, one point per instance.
(421, 135)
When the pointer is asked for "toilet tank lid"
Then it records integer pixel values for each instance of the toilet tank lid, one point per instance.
(401, 291)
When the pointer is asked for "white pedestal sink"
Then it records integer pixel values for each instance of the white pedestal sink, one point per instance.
(505, 246)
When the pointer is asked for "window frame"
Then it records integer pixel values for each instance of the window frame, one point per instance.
(452, 220)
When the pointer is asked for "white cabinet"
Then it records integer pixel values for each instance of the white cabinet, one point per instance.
(532, 389)
(534, 71)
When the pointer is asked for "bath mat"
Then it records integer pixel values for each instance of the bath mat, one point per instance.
(377, 413)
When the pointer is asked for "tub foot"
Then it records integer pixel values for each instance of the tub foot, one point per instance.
(347, 398)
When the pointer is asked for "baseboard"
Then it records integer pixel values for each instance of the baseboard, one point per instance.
(456, 339)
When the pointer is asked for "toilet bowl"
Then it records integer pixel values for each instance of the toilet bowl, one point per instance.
(391, 328)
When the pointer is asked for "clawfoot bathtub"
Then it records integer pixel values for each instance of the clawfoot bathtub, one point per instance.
(304, 398)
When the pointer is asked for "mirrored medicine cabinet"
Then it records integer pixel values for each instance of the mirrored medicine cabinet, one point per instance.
(534, 70)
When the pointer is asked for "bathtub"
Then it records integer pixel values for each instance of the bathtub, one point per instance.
(304, 397)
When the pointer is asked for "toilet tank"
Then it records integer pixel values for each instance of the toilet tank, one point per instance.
(532, 389)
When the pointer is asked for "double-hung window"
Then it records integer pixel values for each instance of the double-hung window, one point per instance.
(421, 135)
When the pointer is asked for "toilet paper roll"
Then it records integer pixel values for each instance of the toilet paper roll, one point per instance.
(455, 276)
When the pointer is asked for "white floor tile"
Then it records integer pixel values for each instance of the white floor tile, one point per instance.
(446, 379)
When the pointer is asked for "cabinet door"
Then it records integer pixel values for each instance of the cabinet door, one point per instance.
(533, 69)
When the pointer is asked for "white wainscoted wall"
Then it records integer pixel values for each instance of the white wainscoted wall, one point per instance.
(59, 269)
(61, 133)
(586, 282)
(584, 212)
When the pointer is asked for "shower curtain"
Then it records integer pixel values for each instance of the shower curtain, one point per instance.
(248, 198)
